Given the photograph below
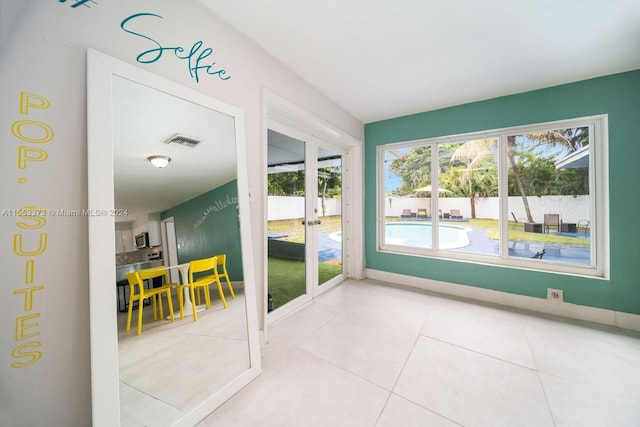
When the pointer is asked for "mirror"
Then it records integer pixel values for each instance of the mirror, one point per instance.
(173, 373)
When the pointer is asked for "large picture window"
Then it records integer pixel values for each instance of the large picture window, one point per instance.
(524, 197)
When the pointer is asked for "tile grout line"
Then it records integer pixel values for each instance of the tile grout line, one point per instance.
(395, 384)
(523, 324)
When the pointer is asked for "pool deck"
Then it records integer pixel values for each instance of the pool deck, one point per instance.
(573, 254)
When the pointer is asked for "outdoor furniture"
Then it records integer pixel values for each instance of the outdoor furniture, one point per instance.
(568, 227)
(533, 227)
(583, 223)
(551, 220)
(455, 214)
(518, 221)
(406, 213)
(422, 213)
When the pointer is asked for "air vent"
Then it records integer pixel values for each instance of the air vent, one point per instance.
(183, 140)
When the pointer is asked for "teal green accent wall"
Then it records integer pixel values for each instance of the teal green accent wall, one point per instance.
(616, 95)
(207, 225)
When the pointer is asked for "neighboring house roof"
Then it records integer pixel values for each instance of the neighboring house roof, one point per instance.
(577, 159)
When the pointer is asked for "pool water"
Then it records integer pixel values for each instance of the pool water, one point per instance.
(419, 235)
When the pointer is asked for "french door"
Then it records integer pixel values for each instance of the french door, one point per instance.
(305, 221)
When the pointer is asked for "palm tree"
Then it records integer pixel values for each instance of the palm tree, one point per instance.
(480, 151)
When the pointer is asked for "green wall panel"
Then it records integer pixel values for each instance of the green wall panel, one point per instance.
(618, 96)
(208, 225)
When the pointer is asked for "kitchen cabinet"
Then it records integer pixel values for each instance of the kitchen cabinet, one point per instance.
(124, 241)
(151, 226)
(139, 229)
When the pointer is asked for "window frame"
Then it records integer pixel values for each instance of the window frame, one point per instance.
(598, 203)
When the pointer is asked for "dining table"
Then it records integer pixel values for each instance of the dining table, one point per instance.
(188, 305)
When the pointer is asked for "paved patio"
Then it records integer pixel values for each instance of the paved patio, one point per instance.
(573, 254)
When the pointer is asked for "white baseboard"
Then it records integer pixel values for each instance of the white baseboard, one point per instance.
(572, 311)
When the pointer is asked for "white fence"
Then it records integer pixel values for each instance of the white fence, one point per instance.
(570, 208)
(287, 207)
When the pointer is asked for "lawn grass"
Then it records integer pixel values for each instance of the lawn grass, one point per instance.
(287, 278)
(294, 229)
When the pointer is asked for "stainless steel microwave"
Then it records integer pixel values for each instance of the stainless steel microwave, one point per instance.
(142, 240)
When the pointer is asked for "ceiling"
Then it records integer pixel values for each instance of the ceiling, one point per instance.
(380, 59)
(377, 60)
(143, 119)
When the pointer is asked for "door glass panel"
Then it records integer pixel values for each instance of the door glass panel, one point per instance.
(286, 228)
(329, 222)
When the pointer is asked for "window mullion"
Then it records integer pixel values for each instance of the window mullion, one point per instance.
(435, 194)
(503, 195)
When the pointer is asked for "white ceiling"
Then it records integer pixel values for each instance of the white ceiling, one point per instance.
(380, 59)
(143, 118)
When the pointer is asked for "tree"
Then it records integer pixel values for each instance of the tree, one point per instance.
(568, 140)
(329, 184)
(285, 183)
(414, 168)
(477, 155)
(472, 168)
(292, 183)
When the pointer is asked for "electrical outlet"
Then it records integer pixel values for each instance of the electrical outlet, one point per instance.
(555, 295)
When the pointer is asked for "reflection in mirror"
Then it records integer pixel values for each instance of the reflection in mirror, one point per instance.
(172, 372)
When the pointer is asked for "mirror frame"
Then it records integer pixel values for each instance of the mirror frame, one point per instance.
(102, 275)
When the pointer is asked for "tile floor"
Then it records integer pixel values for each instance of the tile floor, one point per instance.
(369, 354)
(174, 366)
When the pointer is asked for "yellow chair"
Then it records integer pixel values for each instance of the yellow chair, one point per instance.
(197, 281)
(221, 261)
(153, 273)
(140, 294)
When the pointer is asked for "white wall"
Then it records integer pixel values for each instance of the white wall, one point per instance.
(45, 362)
(570, 208)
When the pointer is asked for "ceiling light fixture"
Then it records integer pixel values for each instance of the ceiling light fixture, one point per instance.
(159, 161)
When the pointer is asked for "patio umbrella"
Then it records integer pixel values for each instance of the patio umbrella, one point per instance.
(427, 189)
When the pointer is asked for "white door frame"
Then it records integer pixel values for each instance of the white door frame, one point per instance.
(296, 122)
(313, 289)
(170, 247)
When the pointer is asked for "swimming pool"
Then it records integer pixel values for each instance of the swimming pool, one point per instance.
(419, 235)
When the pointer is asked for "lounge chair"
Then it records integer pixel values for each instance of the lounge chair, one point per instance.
(422, 214)
(455, 214)
(406, 213)
(518, 221)
(584, 224)
(551, 220)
